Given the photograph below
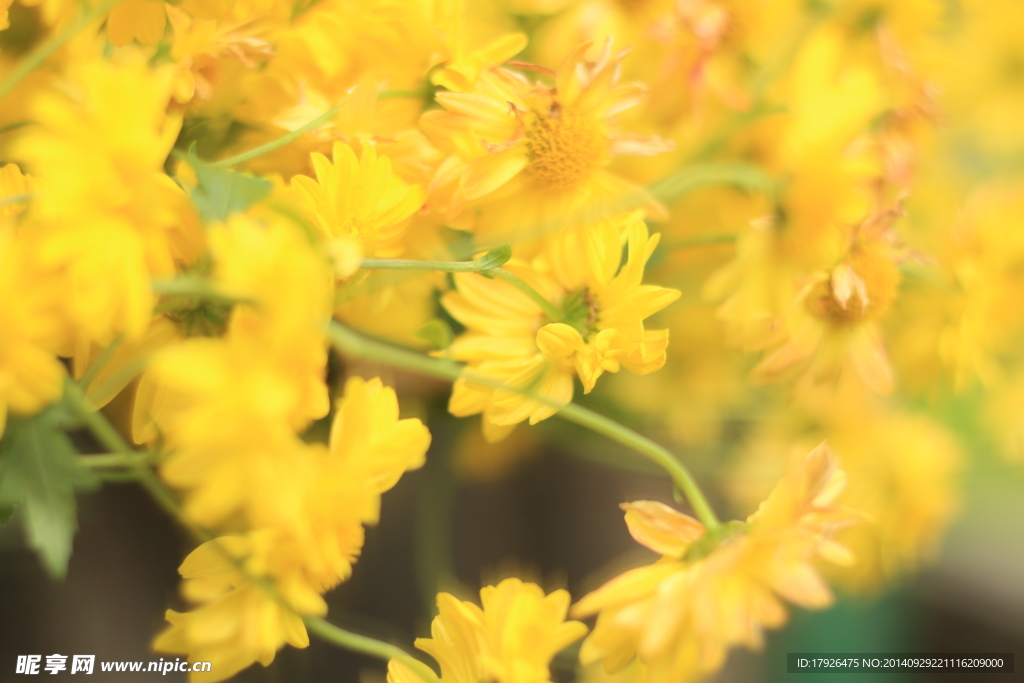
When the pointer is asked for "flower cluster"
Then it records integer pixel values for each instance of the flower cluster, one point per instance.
(214, 212)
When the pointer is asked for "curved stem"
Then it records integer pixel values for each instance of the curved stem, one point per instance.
(100, 362)
(109, 437)
(411, 264)
(366, 645)
(114, 460)
(15, 199)
(680, 475)
(550, 310)
(291, 137)
(43, 52)
(277, 143)
(548, 307)
(701, 241)
(358, 346)
(190, 285)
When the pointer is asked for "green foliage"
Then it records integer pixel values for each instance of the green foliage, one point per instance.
(6, 512)
(495, 258)
(221, 192)
(40, 475)
(437, 333)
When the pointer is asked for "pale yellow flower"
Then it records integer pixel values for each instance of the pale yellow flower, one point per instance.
(510, 339)
(510, 638)
(713, 591)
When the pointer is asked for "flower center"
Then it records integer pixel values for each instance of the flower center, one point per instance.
(580, 312)
(565, 148)
(864, 288)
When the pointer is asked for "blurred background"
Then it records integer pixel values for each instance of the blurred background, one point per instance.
(885, 126)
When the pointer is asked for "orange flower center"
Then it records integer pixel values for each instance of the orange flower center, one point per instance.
(565, 148)
(874, 285)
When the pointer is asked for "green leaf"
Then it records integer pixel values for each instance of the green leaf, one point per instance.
(6, 512)
(221, 192)
(437, 333)
(677, 495)
(495, 258)
(41, 473)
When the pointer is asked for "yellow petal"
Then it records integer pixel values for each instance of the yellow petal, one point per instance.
(661, 528)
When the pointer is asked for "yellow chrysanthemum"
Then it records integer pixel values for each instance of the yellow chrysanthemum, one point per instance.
(526, 154)
(31, 331)
(832, 326)
(510, 340)
(829, 182)
(464, 64)
(111, 217)
(229, 407)
(510, 639)
(240, 622)
(711, 592)
(141, 20)
(359, 198)
(15, 191)
(902, 469)
(333, 492)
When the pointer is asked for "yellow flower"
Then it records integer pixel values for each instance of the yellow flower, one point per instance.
(239, 624)
(832, 326)
(31, 330)
(526, 154)
(712, 591)
(510, 340)
(828, 183)
(141, 20)
(459, 72)
(229, 407)
(359, 198)
(15, 191)
(510, 639)
(332, 492)
(112, 219)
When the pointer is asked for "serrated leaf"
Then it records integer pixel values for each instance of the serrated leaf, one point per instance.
(495, 258)
(221, 192)
(437, 333)
(41, 474)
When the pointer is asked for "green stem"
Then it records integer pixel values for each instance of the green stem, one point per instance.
(101, 362)
(111, 439)
(681, 476)
(114, 460)
(701, 241)
(691, 177)
(15, 199)
(550, 310)
(188, 285)
(358, 346)
(43, 52)
(367, 646)
(14, 126)
(291, 137)
(432, 547)
(409, 264)
(277, 143)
